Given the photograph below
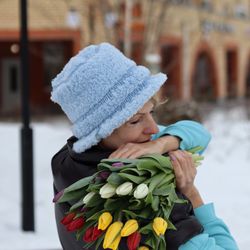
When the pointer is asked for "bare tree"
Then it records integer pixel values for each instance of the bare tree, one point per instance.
(155, 14)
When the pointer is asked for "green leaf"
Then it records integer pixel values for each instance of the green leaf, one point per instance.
(155, 181)
(89, 245)
(145, 213)
(170, 225)
(167, 211)
(79, 184)
(195, 149)
(115, 180)
(163, 190)
(91, 211)
(149, 198)
(107, 164)
(169, 178)
(152, 241)
(134, 170)
(123, 160)
(173, 197)
(146, 229)
(162, 245)
(96, 200)
(155, 203)
(94, 187)
(130, 214)
(163, 161)
(95, 216)
(135, 179)
(136, 204)
(99, 241)
(118, 203)
(80, 214)
(77, 205)
(73, 195)
(149, 166)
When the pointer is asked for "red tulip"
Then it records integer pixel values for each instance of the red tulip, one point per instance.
(68, 218)
(75, 224)
(91, 234)
(133, 240)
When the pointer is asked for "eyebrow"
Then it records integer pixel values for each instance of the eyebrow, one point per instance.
(138, 114)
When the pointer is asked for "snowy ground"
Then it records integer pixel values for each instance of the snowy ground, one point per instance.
(223, 178)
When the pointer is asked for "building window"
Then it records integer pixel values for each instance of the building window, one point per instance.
(185, 2)
(136, 9)
(53, 59)
(13, 76)
(240, 11)
(206, 5)
(204, 79)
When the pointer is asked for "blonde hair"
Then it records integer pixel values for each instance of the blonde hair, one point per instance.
(159, 98)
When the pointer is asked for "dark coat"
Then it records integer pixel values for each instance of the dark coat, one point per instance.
(68, 167)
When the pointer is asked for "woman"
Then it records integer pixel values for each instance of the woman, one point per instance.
(110, 100)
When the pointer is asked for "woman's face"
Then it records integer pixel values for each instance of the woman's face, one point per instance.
(137, 129)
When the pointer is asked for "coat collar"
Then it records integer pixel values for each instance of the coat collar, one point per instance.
(93, 155)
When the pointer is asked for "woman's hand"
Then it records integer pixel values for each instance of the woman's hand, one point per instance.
(185, 172)
(134, 150)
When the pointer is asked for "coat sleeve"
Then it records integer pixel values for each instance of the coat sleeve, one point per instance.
(216, 235)
(191, 133)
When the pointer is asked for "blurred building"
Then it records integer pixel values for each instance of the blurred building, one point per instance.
(203, 45)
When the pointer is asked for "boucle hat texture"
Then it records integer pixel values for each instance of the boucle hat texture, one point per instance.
(99, 89)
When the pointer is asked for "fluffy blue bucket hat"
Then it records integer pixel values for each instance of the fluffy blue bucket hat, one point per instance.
(99, 89)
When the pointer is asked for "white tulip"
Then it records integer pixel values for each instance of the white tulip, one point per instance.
(88, 197)
(125, 188)
(107, 191)
(141, 191)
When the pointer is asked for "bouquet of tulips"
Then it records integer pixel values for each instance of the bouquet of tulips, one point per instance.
(124, 199)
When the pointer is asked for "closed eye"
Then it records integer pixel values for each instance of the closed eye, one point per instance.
(135, 122)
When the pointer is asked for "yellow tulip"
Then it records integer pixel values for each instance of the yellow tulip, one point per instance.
(104, 220)
(143, 248)
(115, 243)
(111, 234)
(160, 226)
(130, 227)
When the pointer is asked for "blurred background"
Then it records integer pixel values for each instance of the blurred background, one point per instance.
(202, 45)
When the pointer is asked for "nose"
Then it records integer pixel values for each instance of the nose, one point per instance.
(151, 126)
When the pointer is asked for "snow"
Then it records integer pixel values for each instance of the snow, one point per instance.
(223, 178)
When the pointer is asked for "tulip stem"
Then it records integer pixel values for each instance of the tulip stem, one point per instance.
(120, 215)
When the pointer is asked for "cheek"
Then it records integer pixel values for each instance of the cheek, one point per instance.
(132, 135)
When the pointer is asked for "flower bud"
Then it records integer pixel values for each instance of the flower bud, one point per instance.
(115, 243)
(104, 175)
(141, 191)
(75, 224)
(117, 164)
(159, 226)
(125, 188)
(111, 234)
(88, 197)
(133, 240)
(58, 196)
(91, 234)
(143, 248)
(68, 218)
(130, 227)
(104, 220)
(107, 191)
